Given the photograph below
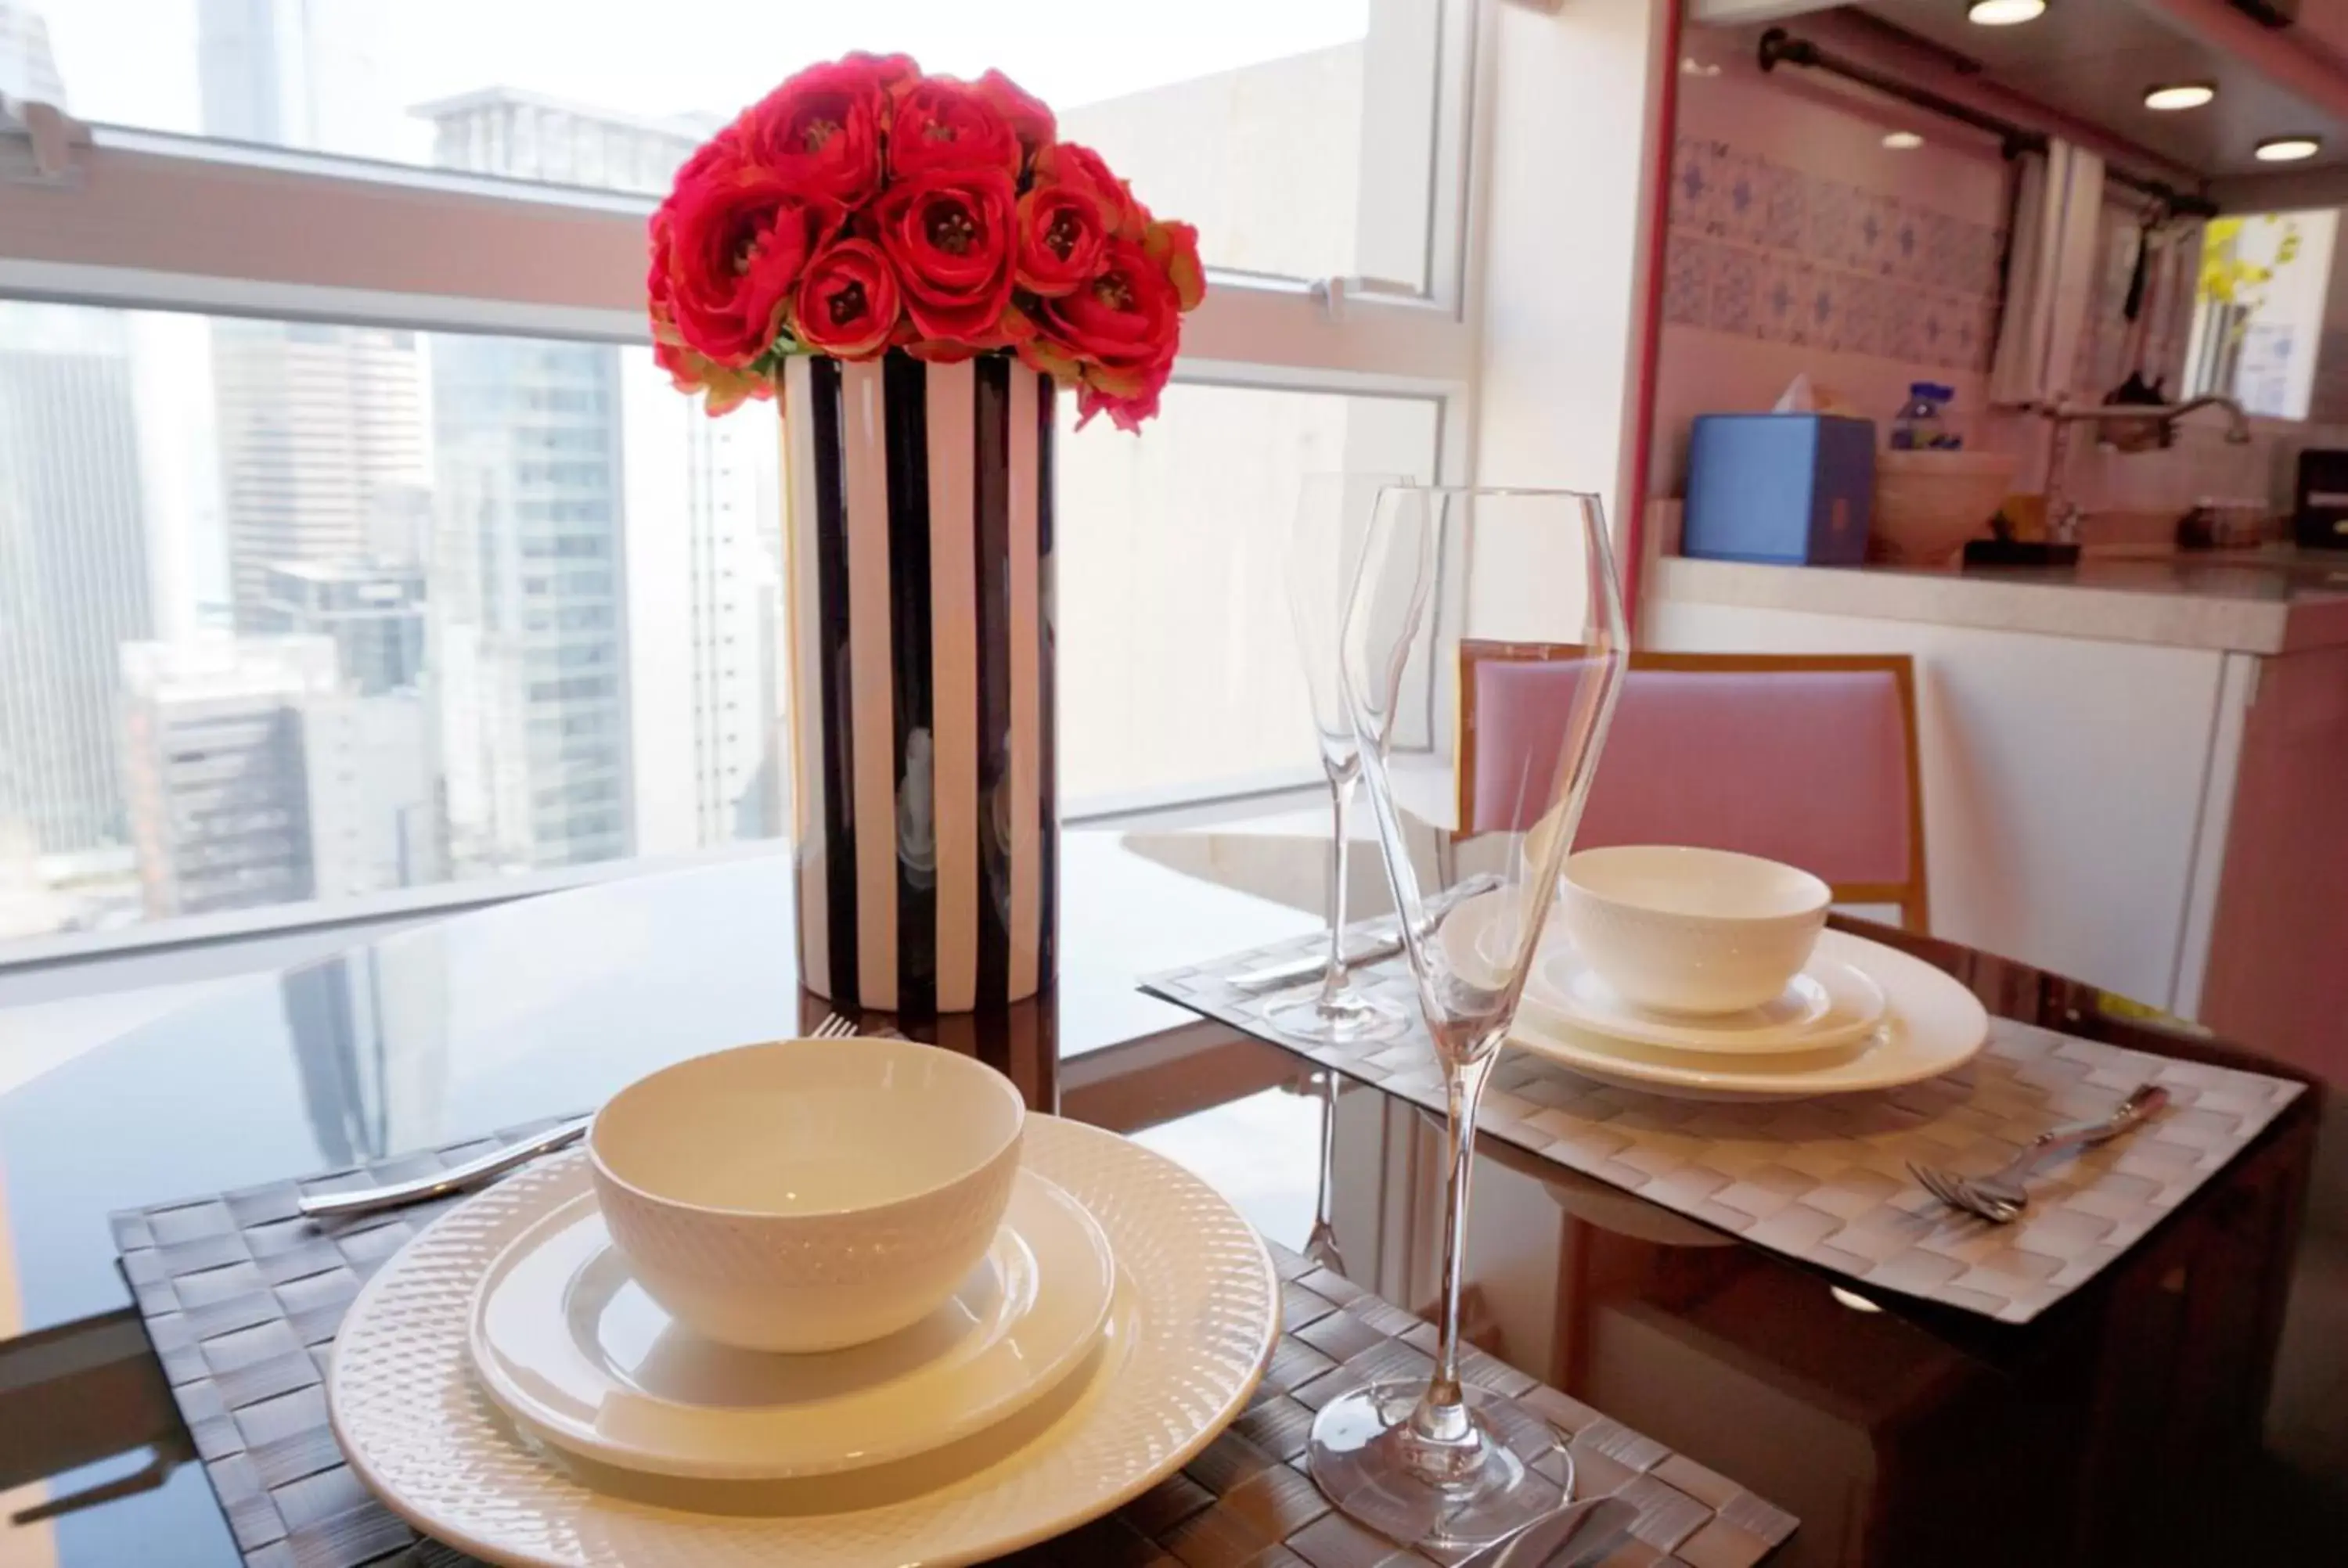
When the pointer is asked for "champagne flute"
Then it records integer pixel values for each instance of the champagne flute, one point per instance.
(1483, 650)
(1324, 553)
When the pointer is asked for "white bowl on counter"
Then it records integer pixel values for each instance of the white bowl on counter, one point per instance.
(1686, 930)
(807, 1194)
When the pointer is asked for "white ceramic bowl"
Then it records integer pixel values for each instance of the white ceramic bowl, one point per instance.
(807, 1194)
(1691, 930)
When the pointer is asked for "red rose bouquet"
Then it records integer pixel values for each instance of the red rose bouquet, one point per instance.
(862, 206)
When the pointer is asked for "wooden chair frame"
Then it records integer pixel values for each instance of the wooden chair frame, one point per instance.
(1912, 896)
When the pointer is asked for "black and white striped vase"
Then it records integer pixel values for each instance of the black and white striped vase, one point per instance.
(918, 521)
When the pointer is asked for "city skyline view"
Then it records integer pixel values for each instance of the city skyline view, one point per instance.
(335, 611)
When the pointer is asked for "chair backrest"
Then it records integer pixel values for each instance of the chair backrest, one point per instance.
(1807, 759)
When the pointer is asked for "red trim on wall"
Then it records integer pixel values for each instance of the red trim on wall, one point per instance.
(1641, 390)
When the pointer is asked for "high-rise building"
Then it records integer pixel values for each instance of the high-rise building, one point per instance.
(704, 590)
(256, 776)
(597, 577)
(319, 427)
(372, 793)
(28, 69)
(73, 569)
(296, 73)
(214, 768)
(373, 611)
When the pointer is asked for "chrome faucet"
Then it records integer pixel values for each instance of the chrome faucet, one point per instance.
(2063, 514)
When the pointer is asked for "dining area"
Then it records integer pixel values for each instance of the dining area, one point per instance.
(1598, 1190)
(1039, 841)
(166, 1396)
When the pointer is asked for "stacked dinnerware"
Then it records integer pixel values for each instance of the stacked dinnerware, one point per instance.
(1704, 974)
(810, 1301)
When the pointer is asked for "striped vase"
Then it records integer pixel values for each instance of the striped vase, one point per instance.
(919, 519)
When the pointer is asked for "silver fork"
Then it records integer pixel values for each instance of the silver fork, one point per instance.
(496, 1163)
(2000, 1197)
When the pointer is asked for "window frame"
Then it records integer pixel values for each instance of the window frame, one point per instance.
(141, 219)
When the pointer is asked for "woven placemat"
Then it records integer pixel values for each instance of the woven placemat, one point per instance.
(1824, 1180)
(242, 1298)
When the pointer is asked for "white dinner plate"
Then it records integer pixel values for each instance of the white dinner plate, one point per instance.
(1832, 1002)
(1931, 1025)
(571, 1345)
(1196, 1313)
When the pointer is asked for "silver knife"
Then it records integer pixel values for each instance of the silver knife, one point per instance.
(455, 1179)
(1384, 944)
(1573, 1537)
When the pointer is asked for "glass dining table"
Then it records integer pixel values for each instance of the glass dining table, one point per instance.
(2122, 1426)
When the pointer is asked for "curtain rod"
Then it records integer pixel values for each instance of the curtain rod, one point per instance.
(1779, 47)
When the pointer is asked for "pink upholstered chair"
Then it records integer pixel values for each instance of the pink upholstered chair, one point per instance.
(1807, 759)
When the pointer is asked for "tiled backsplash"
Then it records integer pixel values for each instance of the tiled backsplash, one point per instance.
(1763, 251)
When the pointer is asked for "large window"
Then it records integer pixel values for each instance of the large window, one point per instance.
(1297, 135)
(350, 543)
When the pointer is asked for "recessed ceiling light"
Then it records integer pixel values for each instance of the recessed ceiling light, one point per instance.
(2179, 96)
(2005, 13)
(2288, 149)
(1852, 1299)
(1902, 140)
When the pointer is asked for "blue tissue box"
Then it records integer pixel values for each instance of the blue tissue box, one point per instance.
(1794, 489)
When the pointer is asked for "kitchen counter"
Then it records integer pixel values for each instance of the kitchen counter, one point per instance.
(2279, 599)
(2130, 768)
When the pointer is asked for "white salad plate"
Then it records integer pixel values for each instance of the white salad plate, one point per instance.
(1931, 1025)
(1832, 1002)
(1195, 1315)
(571, 1347)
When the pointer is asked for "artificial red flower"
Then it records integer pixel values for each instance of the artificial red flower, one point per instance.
(1029, 118)
(1175, 246)
(725, 387)
(951, 233)
(1061, 237)
(1128, 401)
(942, 124)
(820, 132)
(1128, 318)
(848, 301)
(1072, 164)
(735, 239)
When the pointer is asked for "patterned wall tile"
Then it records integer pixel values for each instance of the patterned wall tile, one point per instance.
(1909, 255)
(1830, 205)
(1743, 202)
(1785, 216)
(1821, 308)
(1779, 301)
(1759, 248)
(1687, 280)
(1693, 186)
(1903, 325)
(1735, 293)
(1861, 301)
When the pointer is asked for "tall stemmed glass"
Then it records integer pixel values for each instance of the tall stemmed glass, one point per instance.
(1324, 553)
(1483, 650)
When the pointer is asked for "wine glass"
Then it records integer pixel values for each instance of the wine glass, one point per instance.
(1483, 650)
(1324, 553)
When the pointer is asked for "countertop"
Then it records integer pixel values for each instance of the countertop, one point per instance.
(2278, 600)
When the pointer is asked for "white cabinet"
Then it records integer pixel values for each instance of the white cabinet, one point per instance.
(2068, 781)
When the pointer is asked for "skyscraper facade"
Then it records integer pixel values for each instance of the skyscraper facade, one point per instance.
(73, 571)
(528, 633)
(602, 686)
(29, 70)
(215, 770)
(319, 427)
(373, 611)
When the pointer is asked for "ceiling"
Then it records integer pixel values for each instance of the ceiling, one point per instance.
(2095, 58)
